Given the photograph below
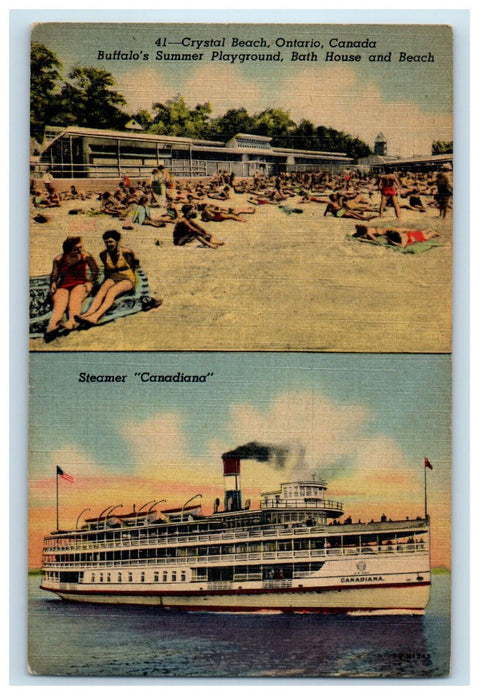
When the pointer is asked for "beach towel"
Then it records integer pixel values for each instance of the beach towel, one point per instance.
(129, 303)
(290, 210)
(414, 249)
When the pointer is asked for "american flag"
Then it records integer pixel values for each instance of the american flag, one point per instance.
(64, 475)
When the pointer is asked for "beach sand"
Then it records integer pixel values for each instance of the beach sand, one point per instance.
(279, 283)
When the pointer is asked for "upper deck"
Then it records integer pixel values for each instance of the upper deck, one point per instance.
(302, 495)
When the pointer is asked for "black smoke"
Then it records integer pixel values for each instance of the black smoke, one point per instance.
(276, 454)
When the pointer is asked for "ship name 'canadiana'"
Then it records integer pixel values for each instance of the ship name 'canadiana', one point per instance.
(292, 554)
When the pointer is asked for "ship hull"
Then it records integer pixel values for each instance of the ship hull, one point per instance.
(388, 599)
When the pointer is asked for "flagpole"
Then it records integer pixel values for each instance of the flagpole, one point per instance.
(425, 491)
(57, 501)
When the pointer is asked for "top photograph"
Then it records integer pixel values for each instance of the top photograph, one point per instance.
(241, 187)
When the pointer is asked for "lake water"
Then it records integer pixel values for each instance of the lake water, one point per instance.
(68, 639)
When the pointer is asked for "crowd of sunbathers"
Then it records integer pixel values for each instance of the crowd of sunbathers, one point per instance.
(346, 195)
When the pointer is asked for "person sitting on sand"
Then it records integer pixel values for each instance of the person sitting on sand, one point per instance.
(401, 237)
(73, 275)
(339, 211)
(53, 198)
(142, 216)
(187, 230)
(39, 201)
(109, 205)
(120, 266)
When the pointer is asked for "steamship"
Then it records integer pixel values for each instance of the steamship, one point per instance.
(296, 552)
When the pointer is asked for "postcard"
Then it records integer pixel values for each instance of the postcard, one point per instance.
(241, 187)
(188, 509)
(240, 350)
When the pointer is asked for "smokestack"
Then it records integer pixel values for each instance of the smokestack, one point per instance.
(232, 482)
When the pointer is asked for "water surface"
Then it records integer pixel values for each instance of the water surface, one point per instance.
(68, 639)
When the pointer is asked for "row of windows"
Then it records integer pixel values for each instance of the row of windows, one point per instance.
(137, 576)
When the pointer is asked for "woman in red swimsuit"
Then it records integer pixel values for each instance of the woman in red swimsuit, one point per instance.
(73, 275)
(401, 237)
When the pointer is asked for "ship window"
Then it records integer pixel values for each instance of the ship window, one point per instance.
(165, 576)
(130, 577)
(101, 578)
(156, 577)
(173, 575)
(142, 577)
(108, 577)
(183, 576)
(119, 577)
(93, 578)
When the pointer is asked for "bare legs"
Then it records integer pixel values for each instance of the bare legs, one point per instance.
(70, 300)
(60, 304)
(107, 294)
(382, 206)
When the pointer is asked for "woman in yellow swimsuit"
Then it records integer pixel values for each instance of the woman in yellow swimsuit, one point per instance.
(120, 277)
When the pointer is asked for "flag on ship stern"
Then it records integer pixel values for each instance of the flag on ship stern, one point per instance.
(427, 463)
(67, 477)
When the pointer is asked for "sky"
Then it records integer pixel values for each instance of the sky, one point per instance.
(362, 422)
(409, 101)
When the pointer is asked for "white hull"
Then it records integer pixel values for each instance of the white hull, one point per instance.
(392, 599)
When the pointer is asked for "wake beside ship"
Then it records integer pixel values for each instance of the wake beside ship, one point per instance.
(295, 553)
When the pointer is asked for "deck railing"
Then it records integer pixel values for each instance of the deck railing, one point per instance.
(123, 540)
(245, 557)
(305, 502)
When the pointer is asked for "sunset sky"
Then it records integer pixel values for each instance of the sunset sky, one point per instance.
(410, 102)
(362, 422)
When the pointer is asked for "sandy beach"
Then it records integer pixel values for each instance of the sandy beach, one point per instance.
(280, 282)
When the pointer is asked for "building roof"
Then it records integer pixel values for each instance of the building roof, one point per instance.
(185, 142)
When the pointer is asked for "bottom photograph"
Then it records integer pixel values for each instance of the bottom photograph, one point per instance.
(239, 515)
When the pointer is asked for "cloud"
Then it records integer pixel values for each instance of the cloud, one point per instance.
(225, 87)
(318, 431)
(159, 440)
(335, 441)
(145, 86)
(73, 460)
(330, 96)
(335, 98)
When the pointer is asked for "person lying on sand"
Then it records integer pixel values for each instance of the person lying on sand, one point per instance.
(215, 213)
(400, 237)
(339, 211)
(222, 194)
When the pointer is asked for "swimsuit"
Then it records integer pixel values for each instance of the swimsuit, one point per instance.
(415, 237)
(72, 275)
(389, 191)
(119, 271)
(141, 214)
(340, 212)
